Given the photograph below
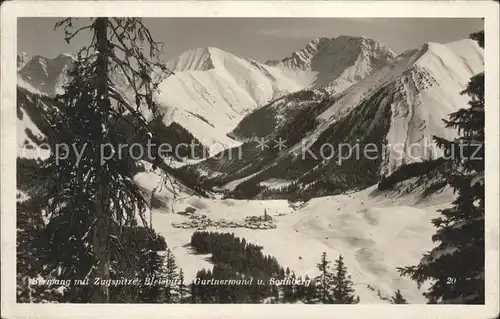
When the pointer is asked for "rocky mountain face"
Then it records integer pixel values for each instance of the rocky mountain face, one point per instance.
(338, 62)
(46, 76)
(394, 113)
(22, 59)
(331, 64)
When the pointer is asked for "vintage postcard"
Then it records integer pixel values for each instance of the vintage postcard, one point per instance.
(227, 159)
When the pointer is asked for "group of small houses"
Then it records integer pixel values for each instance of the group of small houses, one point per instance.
(201, 222)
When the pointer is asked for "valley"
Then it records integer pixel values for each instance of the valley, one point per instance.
(375, 231)
(344, 90)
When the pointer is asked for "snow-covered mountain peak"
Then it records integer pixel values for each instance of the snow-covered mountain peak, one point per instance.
(456, 61)
(324, 51)
(44, 75)
(67, 55)
(338, 62)
(22, 59)
(200, 59)
(212, 90)
(209, 93)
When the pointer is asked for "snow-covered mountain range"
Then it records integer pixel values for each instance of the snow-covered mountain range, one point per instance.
(398, 108)
(334, 91)
(212, 89)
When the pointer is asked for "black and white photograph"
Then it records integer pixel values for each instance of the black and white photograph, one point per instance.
(300, 161)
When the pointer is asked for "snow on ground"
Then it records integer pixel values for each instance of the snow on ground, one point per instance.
(30, 150)
(275, 183)
(233, 184)
(374, 231)
(212, 90)
(177, 164)
(166, 188)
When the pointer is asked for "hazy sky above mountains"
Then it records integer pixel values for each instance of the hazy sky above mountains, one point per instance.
(258, 38)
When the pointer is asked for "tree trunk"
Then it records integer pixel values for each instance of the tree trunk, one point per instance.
(102, 227)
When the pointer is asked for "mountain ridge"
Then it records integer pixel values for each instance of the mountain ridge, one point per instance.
(209, 93)
(401, 104)
(339, 61)
(45, 75)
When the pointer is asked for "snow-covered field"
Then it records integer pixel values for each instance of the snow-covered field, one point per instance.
(375, 232)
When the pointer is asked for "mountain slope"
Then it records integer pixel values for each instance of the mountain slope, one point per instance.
(22, 59)
(338, 62)
(423, 87)
(44, 75)
(331, 64)
(396, 110)
(209, 93)
(212, 90)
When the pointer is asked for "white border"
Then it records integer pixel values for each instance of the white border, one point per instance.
(10, 11)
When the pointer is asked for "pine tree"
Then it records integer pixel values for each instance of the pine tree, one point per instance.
(152, 261)
(194, 291)
(172, 277)
(324, 280)
(311, 293)
(300, 289)
(288, 295)
(293, 287)
(184, 291)
(398, 298)
(342, 284)
(30, 256)
(91, 201)
(456, 264)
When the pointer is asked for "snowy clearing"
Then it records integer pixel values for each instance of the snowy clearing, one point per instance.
(374, 231)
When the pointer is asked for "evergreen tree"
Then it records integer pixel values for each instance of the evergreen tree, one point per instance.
(183, 290)
(172, 277)
(91, 201)
(145, 246)
(324, 280)
(398, 298)
(288, 295)
(30, 256)
(255, 293)
(311, 292)
(300, 289)
(293, 287)
(342, 284)
(456, 264)
(194, 292)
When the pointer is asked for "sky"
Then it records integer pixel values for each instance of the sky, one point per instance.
(261, 39)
